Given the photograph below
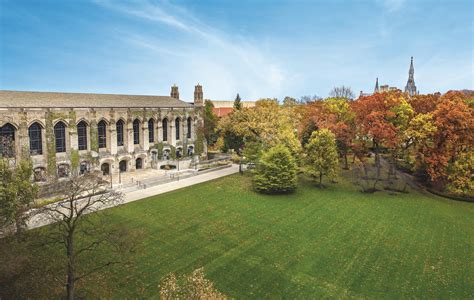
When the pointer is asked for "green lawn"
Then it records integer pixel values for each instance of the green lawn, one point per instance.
(335, 242)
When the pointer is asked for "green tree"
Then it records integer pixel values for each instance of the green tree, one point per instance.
(321, 155)
(237, 103)
(210, 123)
(276, 171)
(17, 193)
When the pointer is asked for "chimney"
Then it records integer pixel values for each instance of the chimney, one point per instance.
(174, 92)
(198, 95)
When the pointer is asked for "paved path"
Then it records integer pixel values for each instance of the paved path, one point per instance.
(38, 220)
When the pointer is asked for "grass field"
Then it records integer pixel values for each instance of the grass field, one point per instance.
(335, 242)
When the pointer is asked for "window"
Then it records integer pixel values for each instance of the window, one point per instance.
(151, 131)
(176, 122)
(136, 132)
(36, 141)
(119, 127)
(165, 130)
(102, 134)
(60, 137)
(82, 135)
(63, 170)
(189, 127)
(7, 140)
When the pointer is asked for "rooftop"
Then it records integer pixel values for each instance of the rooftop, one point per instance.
(19, 99)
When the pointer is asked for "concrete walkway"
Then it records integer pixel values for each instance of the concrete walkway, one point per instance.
(175, 185)
(40, 219)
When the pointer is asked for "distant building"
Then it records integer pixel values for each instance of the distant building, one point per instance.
(76, 132)
(410, 87)
(224, 107)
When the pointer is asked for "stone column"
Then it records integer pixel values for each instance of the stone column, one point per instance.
(144, 135)
(113, 137)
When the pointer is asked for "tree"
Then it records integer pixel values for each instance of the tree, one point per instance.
(237, 103)
(17, 193)
(289, 101)
(461, 180)
(267, 123)
(210, 123)
(343, 92)
(308, 99)
(276, 171)
(84, 194)
(376, 117)
(321, 155)
(454, 120)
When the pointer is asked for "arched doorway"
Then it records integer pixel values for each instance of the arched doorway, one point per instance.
(138, 163)
(105, 168)
(123, 166)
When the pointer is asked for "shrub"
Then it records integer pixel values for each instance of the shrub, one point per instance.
(276, 171)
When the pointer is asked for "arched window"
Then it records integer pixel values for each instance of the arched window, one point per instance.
(151, 130)
(119, 126)
(36, 141)
(136, 132)
(82, 135)
(189, 127)
(165, 129)
(7, 140)
(60, 137)
(102, 134)
(176, 123)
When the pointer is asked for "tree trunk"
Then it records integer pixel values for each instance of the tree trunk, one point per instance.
(70, 266)
(320, 179)
(346, 165)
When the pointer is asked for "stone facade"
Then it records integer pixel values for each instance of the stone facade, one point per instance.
(64, 133)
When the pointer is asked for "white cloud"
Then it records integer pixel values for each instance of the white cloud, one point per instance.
(224, 64)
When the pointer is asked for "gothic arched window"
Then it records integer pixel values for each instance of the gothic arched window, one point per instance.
(189, 127)
(165, 129)
(119, 127)
(176, 123)
(60, 137)
(136, 132)
(102, 134)
(151, 130)
(7, 140)
(82, 135)
(36, 141)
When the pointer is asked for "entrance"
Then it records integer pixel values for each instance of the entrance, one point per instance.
(105, 168)
(123, 166)
(138, 163)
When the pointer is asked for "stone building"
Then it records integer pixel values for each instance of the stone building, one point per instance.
(410, 87)
(64, 133)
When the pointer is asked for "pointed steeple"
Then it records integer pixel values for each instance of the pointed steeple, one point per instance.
(410, 88)
(376, 90)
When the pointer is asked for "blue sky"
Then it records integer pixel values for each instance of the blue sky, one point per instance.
(255, 48)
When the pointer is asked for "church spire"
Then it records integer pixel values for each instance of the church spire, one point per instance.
(410, 88)
(376, 90)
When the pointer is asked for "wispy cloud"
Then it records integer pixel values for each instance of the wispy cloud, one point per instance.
(228, 64)
(393, 5)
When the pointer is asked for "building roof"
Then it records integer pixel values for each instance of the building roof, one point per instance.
(222, 111)
(13, 99)
(230, 103)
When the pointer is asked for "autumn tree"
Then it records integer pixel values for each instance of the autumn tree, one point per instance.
(376, 118)
(321, 155)
(267, 124)
(454, 120)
